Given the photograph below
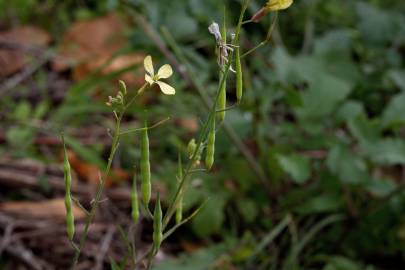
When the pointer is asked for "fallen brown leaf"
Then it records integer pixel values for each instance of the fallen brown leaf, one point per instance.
(91, 173)
(12, 60)
(88, 45)
(87, 39)
(27, 35)
(118, 63)
(49, 209)
(190, 124)
(190, 247)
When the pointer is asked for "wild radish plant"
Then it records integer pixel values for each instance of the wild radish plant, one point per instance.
(228, 55)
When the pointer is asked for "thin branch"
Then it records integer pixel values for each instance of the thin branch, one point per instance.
(268, 37)
(105, 245)
(26, 73)
(234, 106)
(145, 128)
(267, 239)
(184, 221)
(99, 193)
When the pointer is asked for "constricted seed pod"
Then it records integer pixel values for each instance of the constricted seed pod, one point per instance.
(179, 209)
(70, 220)
(210, 152)
(222, 91)
(134, 200)
(157, 225)
(239, 76)
(145, 167)
(222, 101)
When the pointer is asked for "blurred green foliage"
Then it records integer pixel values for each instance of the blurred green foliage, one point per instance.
(324, 113)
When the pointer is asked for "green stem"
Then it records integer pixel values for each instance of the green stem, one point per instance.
(193, 159)
(145, 128)
(261, 44)
(101, 185)
(139, 92)
(172, 206)
(230, 132)
(99, 193)
(246, 22)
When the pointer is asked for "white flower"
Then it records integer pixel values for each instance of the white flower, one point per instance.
(164, 72)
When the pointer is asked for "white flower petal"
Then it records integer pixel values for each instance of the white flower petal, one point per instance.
(149, 79)
(147, 62)
(165, 71)
(166, 89)
(214, 29)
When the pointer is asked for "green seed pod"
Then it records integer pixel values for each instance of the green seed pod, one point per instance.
(134, 200)
(157, 225)
(239, 76)
(145, 167)
(179, 209)
(191, 147)
(222, 101)
(210, 152)
(221, 106)
(70, 220)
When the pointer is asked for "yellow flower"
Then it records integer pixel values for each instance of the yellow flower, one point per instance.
(164, 72)
(273, 5)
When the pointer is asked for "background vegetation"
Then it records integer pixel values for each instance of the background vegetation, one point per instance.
(323, 115)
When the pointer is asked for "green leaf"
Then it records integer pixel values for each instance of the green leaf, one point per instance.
(210, 218)
(381, 187)
(364, 130)
(41, 109)
(309, 68)
(342, 66)
(323, 96)
(20, 137)
(297, 166)
(376, 26)
(349, 110)
(74, 110)
(334, 40)
(346, 165)
(342, 263)
(321, 204)
(394, 112)
(241, 173)
(390, 151)
(284, 64)
(114, 265)
(23, 111)
(247, 208)
(181, 24)
(398, 77)
(199, 260)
